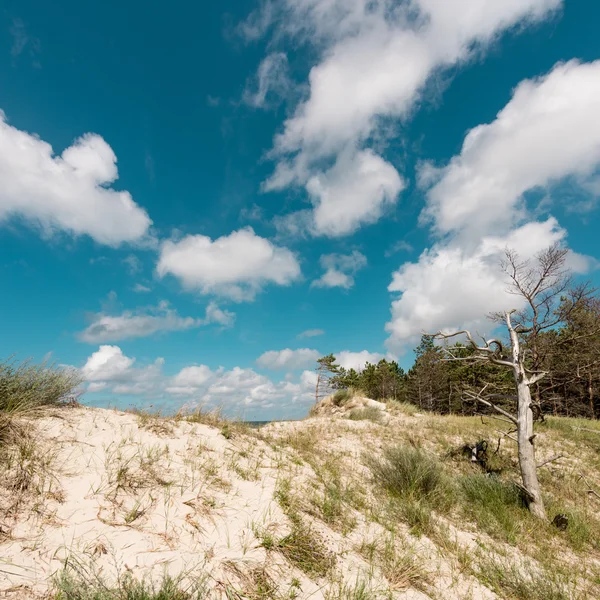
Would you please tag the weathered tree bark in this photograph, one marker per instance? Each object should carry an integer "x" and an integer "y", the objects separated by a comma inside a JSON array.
[
  {"x": 525, "y": 435},
  {"x": 493, "y": 351}
]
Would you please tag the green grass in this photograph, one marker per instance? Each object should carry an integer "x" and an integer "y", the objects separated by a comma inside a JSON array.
[
  {"x": 405, "y": 471},
  {"x": 303, "y": 546},
  {"x": 78, "y": 584},
  {"x": 366, "y": 414},
  {"x": 416, "y": 485},
  {"x": 342, "y": 397},
  {"x": 522, "y": 582},
  {"x": 305, "y": 549},
  {"x": 496, "y": 506},
  {"x": 26, "y": 387}
]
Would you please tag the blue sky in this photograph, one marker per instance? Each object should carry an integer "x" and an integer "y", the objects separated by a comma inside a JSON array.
[{"x": 196, "y": 202}]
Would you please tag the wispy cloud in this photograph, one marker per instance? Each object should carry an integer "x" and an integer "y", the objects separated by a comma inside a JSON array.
[
  {"x": 24, "y": 42},
  {"x": 147, "y": 321},
  {"x": 340, "y": 269},
  {"x": 311, "y": 333}
]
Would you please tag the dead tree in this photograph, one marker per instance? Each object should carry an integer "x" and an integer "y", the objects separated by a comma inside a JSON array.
[
  {"x": 540, "y": 285},
  {"x": 326, "y": 371},
  {"x": 492, "y": 350}
]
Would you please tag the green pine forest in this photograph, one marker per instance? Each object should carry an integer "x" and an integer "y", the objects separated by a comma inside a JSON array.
[{"x": 567, "y": 350}]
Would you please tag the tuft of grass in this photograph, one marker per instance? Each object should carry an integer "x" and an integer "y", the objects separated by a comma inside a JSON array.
[
  {"x": 361, "y": 590},
  {"x": 303, "y": 546},
  {"x": 305, "y": 549},
  {"x": 26, "y": 387},
  {"x": 406, "y": 408},
  {"x": 416, "y": 485},
  {"x": 80, "y": 584},
  {"x": 398, "y": 563},
  {"x": 214, "y": 418},
  {"x": 407, "y": 472},
  {"x": 498, "y": 507},
  {"x": 154, "y": 422},
  {"x": 522, "y": 582},
  {"x": 368, "y": 413},
  {"x": 342, "y": 397}
]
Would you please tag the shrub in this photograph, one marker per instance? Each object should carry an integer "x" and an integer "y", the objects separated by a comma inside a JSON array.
[
  {"x": 369, "y": 413},
  {"x": 497, "y": 506},
  {"x": 405, "y": 471},
  {"x": 342, "y": 397},
  {"x": 80, "y": 585},
  {"x": 27, "y": 386}
]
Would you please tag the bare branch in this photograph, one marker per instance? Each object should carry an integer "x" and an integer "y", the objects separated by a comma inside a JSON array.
[
  {"x": 545, "y": 462},
  {"x": 495, "y": 417},
  {"x": 590, "y": 489},
  {"x": 491, "y": 405},
  {"x": 510, "y": 437}
]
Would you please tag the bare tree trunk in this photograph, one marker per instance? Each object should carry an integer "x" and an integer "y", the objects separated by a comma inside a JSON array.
[
  {"x": 591, "y": 394},
  {"x": 317, "y": 388},
  {"x": 525, "y": 436},
  {"x": 526, "y": 451}
]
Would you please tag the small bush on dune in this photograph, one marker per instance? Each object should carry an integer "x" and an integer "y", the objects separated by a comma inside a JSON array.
[
  {"x": 497, "y": 506},
  {"x": 406, "y": 471},
  {"x": 73, "y": 585},
  {"x": 365, "y": 414},
  {"x": 27, "y": 386},
  {"x": 342, "y": 397}
]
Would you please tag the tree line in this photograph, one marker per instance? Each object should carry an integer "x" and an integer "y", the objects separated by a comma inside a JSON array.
[{"x": 560, "y": 333}]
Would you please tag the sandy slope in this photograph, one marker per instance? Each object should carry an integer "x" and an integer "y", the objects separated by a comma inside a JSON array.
[{"x": 147, "y": 496}]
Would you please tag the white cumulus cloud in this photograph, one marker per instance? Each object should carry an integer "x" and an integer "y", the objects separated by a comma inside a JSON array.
[
  {"x": 236, "y": 266},
  {"x": 69, "y": 192},
  {"x": 148, "y": 321},
  {"x": 375, "y": 58},
  {"x": 288, "y": 359},
  {"x": 357, "y": 360},
  {"x": 340, "y": 269},
  {"x": 548, "y": 131},
  {"x": 454, "y": 287}
]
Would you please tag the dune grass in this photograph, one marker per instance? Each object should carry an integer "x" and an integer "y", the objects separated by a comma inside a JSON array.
[
  {"x": 80, "y": 585},
  {"x": 25, "y": 386},
  {"x": 369, "y": 413}
]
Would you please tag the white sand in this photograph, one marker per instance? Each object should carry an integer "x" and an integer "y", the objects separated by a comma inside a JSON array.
[{"x": 177, "y": 498}]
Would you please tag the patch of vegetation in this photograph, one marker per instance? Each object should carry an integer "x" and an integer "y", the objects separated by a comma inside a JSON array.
[
  {"x": 305, "y": 549},
  {"x": 25, "y": 388},
  {"x": 416, "y": 485},
  {"x": 215, "y": 418},
  {"x": 407, "y": 472},
  {"x": 496, "y": 506},
  {"x": 342, "y": 397},
  {"x": 303, "y": 546},
  {"x": 154, "y": 422},
  {"x": 332, "y": 505},
  {"x": 407, "y": 408},
  {"x": 522, "y": 582},
  {"x": 398, "y": 563},
  {"x": 361, "y": 590},
  {"x": 80, "y": 584},
  {"x": 369, "y": 413}
]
